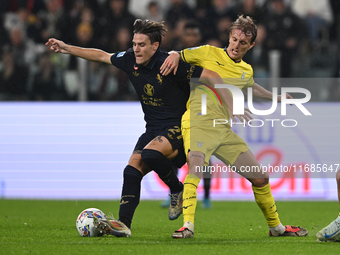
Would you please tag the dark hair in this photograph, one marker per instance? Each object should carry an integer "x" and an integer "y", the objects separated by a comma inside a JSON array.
[
  {"x": 155, "y": 30},
  {"x": 246, "y": 25}
]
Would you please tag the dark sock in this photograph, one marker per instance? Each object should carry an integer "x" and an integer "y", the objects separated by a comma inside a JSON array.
[
  {"x": 130, "y": 194},
  {"x": 207, "y": 182},
  {"x": 163, "y": 167},
  {"x": 175, "y": 169}
]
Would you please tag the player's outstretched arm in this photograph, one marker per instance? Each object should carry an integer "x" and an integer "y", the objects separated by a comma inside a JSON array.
[
  {"x": 260, "y": 92},
  {"x": 86, "y": 53},
  {"x": 225, "y": 94},
  {"x": 170, "y": 63},
  {"x": 287, "y": 96}
]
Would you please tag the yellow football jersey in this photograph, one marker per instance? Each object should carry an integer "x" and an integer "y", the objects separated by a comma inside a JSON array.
[
  {"x": 217, "y": 60},
  {"x": 203, "y": 97}
]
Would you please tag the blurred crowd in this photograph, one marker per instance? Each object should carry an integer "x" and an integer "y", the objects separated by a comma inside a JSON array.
[{"x": 305, "y": 33}]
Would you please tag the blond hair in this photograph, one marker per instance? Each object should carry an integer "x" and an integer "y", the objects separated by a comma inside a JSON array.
[{"x": 247, "y": 25}]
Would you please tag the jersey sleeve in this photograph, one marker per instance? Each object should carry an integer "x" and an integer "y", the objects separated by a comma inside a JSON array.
[
  {"x": 187, "y": 71},
  {"x": 120, "y": 60},
  {"x": 250, "y": 81},
  {"x": 195, "y": 55}
]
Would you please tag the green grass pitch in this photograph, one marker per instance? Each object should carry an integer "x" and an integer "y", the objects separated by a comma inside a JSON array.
[{"x": 48, "y": 227}]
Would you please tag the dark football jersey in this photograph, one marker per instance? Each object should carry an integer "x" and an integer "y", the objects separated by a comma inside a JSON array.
[{"x": 163, "y": 98}]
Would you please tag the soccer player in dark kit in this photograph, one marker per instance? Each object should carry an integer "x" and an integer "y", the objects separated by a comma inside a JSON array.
[{"x": 163, "y": 100}]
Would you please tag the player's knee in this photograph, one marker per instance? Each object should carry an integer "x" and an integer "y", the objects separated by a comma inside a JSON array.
[
  {"x": 259, "y": 182},
  {"x": 338, "y": 177},
  {"x": 151, "y": 157}
]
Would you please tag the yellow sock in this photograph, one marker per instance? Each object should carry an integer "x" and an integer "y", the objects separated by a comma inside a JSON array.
[
  {"x": 265, "y": 201},
  {"x": 190, "y": 197}
]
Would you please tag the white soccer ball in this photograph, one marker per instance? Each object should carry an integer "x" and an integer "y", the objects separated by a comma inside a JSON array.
[{"x": 85, "y": 222}]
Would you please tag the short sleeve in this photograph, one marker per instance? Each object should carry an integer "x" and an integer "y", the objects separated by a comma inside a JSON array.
[
  {"x": 250, "y": 82},
  {"x": 120, "y": 60},
  {"x": 195, "y": 55},
  {"x": 187, "y": 71}
]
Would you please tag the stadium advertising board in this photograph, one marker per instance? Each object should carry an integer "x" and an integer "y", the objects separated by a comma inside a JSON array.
[{"x": 79, "y": 150}]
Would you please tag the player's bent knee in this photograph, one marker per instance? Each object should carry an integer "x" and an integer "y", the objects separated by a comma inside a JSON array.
[
  {"x": 151, "y": 157},
  {"x": 259, "y": 182},
  {"x": 136, "y": 162},
  {"x": 338, "y": 176}
]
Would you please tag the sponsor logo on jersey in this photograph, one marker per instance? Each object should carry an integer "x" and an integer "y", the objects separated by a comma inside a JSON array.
[
  {"x": 149, "y": 89},
  {"x": 193, "y": 48},
  {"x": 190, "y": 72},
  {"x": 135, "y": 73}
]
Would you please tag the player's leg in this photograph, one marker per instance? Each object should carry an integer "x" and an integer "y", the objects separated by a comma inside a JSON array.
[
  {"x": 195, "y": 161},
  {"x": 166, "y": 203},
  {"x": 159, "y": 155},
  {"x": 263, "y": 195},
  {"x": 132, "y": 177},
  {"x": 331, "y": 233},
  {"x": 234, "y": 151},
  {"x": 206, "y": 204},
  {"x": 261, "y": 188},
  {"x": 198, "y": 145}
]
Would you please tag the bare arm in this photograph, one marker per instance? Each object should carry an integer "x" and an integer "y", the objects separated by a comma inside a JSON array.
[
  {"x": 86, "y": 53},
  {"x": 261, "y": 92}
]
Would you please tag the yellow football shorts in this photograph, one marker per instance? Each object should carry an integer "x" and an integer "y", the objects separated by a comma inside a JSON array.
[{"x": 219, "y": 141}]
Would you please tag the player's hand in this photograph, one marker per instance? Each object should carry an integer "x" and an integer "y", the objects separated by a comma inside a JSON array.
[
  {"x": 243, "y": 118},
  {"x": 287, "y": 97},
  {"x": 170, "y": 63},
  {"x": 56, "y": 45}
]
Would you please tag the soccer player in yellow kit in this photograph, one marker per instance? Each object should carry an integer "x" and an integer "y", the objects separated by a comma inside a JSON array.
[{"x": 203, "y": 139}]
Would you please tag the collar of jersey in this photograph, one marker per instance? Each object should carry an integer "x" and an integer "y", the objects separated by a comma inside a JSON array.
[
  {"x": 225, "y": 49},
  {"x": 151, "y": 62}
]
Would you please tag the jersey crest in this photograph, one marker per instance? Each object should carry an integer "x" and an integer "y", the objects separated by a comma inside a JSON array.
[
  {"x": 243, "y": 74},
  {"x": 159, "y": 78}
]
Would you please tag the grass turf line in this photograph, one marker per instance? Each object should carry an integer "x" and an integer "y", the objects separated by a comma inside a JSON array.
[{"x": 48, "y": 227}]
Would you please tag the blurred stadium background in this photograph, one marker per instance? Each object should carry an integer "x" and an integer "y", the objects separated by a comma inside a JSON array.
[{"x": 68, "y": 126}]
